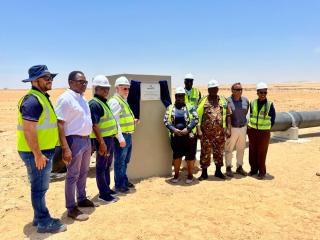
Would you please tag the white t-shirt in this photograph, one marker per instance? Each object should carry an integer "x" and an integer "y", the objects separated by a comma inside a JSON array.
[{"x": 73, "y": 109}]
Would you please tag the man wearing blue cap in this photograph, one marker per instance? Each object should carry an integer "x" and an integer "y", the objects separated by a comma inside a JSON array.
[{"x": 37, "y": 137}]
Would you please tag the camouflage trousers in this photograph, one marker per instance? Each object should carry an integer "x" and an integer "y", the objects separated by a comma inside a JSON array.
[{"x": 212, "y": 142}]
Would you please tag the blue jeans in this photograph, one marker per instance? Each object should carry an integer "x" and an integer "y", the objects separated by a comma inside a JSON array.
[
  {"x": 121, "y": 159},
  {"x": 103, "y": 166},
  {"x": 39, "y": 180}
]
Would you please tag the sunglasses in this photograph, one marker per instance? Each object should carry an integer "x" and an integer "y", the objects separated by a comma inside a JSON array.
[
  {"x": 237, "y": 89},
  {"x": 82, "y": 82},
  {"x": 126, "y": 88},
  {"x": 262, "y": 92},
  {"x": 47, "y": 78}
]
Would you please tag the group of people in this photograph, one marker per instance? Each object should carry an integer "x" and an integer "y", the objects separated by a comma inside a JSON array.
[
  {"x": 78, "y": 126},
  {"x": 106, "y": 125},
  {"x": 221, "y": 124}
]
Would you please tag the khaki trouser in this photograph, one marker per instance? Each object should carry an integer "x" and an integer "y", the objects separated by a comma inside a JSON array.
[{"x": 236, "y": 141}]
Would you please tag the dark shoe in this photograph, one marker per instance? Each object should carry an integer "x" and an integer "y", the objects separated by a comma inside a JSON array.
[
  {"x": 204, "y": 175},
  {"x": 123, "y": 190},
  {"x": 76, "y": 214},
  {"x": 112, "y": 193},
  {"x": 53, "y": 226},
  {"x": 130, "y": 185},
  {"x": 251, "y": 173},
  {"x": 107, "y": 199},
  {"x": 86, "y": 203},
  {"x": 229, "y": 172},
  {"x": 241, "y": 171},
  {"x": 219, "y": 174},
  {"x": 260, "y": 176}
]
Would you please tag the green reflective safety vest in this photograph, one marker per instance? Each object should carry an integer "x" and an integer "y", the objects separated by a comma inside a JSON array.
[
  {"x": 193, "y": 98},
  {"x": 222, "y": 102},
  {"x": 261, "y": 120},
  {"x": 126, "y": 117},
  {"x": 190, "y": 117},
  {"x": 107, "y": 123},
  {"x": 47, "y": 129}
]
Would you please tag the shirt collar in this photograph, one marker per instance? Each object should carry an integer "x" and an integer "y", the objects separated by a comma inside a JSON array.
[{"x": 74, "y": 94}]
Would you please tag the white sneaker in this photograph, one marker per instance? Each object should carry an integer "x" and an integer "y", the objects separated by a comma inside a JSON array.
[
  {"x": 174, "y": 180},
  {"x": 189, "y": 181}
]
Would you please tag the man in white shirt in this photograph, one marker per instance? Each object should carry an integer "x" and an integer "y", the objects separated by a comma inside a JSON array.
[
  {"x": 123, "y": 142},
  {"x": 75, "y": 125}
]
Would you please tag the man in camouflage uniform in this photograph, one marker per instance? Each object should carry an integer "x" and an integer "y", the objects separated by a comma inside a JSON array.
[{"x": 214, "y": 125}]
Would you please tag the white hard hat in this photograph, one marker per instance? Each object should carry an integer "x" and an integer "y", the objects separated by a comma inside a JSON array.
[
  {"x": 122, "y": 81},
  {"x": 180, "y": 90},
  {"x": 213, "y": 83},
  {"x": 261, "y": 85},
  {"x": 101, "y": 80},
  {"x": 188, "y": 76}
]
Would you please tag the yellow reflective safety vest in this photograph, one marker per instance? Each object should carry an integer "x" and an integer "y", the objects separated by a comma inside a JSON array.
[
  {"x": 47, "y": 129},
  {"x": 188, "y": 120},
  {"x": 126, "y": 117},
  {"x": 193, "y": 98},
  {"x": 107, "y": 123},
  {"x": 261, "y": 120},
  {"x": 223, "y": 104}
]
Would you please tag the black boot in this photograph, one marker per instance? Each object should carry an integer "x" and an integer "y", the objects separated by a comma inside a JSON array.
[
  {"x": 204, "y": 174},
  {"x": 218, "y": 173}
]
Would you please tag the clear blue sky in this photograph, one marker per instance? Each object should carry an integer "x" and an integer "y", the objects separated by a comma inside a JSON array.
[{"x": 235, "y": 40}]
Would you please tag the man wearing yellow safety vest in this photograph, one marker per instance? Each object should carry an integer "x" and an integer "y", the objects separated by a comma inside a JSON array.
[
  {"x": 123, "y": 142},
  {"x": 104, "y": 128},
  {"x": 37, "y": 137},
  {"x": 262, "y": 116},
  {"x": 192, "y": 97},
  {"x": 214, "y": 125},
  {"x": 181, "y": 120}
]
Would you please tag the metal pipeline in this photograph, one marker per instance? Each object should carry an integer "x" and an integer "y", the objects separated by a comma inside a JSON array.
[{"x": 286, "y": 120}]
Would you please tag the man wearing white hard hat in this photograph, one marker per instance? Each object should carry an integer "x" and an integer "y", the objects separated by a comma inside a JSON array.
[
  {"x": 123, "y": 142},
  {"x": 262, "y": 116},
  {"x": 104, "y": 128},
  {"x": 192, "y": 94},
  {"x": 181, "y": 120},
  {"x": 214, "y": 125}
]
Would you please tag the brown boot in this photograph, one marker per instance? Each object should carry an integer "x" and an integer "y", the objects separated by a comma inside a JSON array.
[
  {"x": 241, "y": 171},
  {"x": 229, "y": 172}
]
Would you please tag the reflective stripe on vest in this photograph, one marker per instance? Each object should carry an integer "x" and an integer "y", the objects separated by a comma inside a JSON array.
[
  {"x": 107, "y": 123},
  {"x": 193, "y": 98},
  {"x": 190, "y": 117},
  {"x": 222, "y": 103},
  {"x": 47, "y": 129},
  {"x": 261, "y": 120},
  {"x": 126, "y": 117}
]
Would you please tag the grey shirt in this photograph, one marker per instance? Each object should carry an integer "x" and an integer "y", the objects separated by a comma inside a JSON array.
[{"x": 239, "y": 111}]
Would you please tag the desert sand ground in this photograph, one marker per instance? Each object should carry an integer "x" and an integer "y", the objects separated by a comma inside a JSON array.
[{"x": 284, "y": 206}]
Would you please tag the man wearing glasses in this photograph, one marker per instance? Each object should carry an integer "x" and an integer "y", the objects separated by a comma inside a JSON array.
[
  {"x": 75, "y": 125},
  {"x": 239, "y": 106},
  {"x": 37, "y": 137},
  {"x": 123, "y": 142},
  {"x": 262, "y": 116}
]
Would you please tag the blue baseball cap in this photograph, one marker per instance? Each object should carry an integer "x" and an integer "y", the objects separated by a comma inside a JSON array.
[{"x": 38, "y": 71}]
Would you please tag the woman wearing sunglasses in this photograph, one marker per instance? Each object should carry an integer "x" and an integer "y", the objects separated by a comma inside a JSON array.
[{"x": 262, "y": 116}]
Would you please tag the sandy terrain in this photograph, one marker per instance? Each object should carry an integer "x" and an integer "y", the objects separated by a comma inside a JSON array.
[{"x": 284, "y": 206}]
